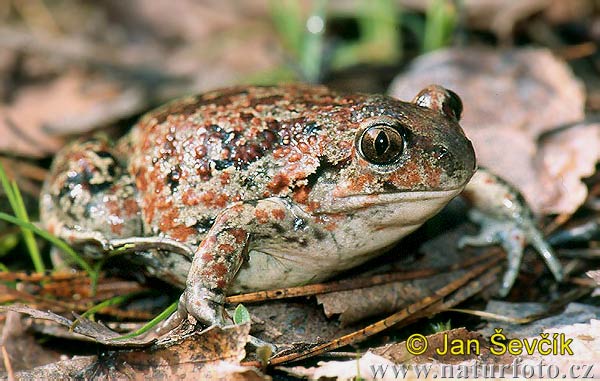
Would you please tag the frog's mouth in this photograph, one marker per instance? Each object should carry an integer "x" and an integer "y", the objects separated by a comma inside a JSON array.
[{"x": 409, "y": 199}]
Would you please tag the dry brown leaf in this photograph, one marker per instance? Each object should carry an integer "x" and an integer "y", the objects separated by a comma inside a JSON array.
[
  {"x": 185, "y": 354},
  {"x": 221, "y": 43},
  {"x": 510, "y": 99},
  {"x": 355, "y": 305},
  {"x": 564, "y": 159},
  {"x": 86, "y": 328},
  {"x": 188, "y": 20},
  {"x": 24, "y": 351},
  {"x": 25, "y": 123},
  {"x": 213, "y": 354}
]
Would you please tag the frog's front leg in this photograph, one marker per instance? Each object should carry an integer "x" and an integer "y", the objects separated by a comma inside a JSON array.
[
  {"x": 506, "y": 220},
  {"x": 220, "y": 255}
]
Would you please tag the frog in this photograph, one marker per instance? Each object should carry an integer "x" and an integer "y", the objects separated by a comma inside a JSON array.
[{"x": 252, "y": 188}]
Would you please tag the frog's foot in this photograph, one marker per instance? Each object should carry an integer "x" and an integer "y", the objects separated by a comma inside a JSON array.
[
  {"x": 204, "y": 305},
  {"x": 504, "y": 233},
  {"x": 506, "y": 220}
]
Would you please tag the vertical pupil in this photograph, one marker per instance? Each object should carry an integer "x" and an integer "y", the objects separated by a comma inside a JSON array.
[{"x": 381, "y": 143}]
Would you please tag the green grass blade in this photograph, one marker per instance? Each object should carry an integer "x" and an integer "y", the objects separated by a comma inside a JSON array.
[
  {"x": 439, "y": 25},
  {"x": 152, "y": 323},
  {"x": 106, "y": 303},
  {"x": 28, "y": 237},
  {"x": 311, "y": 55},
  {"x": 50, "y": 238},
  {"x": 287, "y": 18},
  {"x": 18, "y": 206},
  {"x": 7, "y": 188}
]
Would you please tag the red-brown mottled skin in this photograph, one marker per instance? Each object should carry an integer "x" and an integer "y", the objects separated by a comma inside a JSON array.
[
  {"x": 195, "y": 156},
  {"x": 267, "y": 186}
]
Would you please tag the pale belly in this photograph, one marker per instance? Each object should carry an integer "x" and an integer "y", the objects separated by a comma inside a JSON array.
[{"x": 271, "y": 269}]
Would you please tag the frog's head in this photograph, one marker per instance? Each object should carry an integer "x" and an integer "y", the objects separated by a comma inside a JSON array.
[{"x": 405, "y": 159}]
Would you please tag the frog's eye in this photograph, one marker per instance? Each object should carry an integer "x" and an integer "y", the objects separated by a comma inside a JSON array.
[{"x": 381, "y": 144}]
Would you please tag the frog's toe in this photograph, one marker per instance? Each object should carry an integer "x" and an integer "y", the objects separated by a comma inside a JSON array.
[
  {"x": 513, "y": 242},
  {"x": 513, "y": 236},
  {"x": 490, "y": 234},
  {"x": 206, "y": 306},
  {"x": 537, "y": 240},
  {"x": 484, "y": 238}
]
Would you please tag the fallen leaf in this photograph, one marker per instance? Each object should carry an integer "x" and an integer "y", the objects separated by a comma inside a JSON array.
[
  {"x": 85, "y": 327},
  {"x": 24, "y": 122},
  {"x": 511, "y": 99},
  {"x": 440, "y": 252},
  {"x": 584, "y": 343},
  {"x": 574, "y": 313},
  {"x": 24, "y": 351},
  {"x": 564, "y": 159},
  {"x": 210, "y": 355}
]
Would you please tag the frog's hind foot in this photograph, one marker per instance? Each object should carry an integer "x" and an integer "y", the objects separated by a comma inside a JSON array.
[
  {"x": 88, "y": 198},
  {"x": 506, "y": 220}
]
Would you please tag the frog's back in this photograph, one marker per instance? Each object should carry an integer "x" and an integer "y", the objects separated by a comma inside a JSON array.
[{"x": 196, "y": 156}]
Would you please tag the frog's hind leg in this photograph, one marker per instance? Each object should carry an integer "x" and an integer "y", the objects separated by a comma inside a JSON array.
[{"x": 88, "y": 198}]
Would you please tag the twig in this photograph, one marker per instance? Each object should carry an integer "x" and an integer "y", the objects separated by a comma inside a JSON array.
[
  {"x": 381, "y": 325},
  {"x": 352, "y": 284},
  {"x": 7, "y": 364}
]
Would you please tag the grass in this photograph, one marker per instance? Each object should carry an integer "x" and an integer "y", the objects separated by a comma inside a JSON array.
[
  {"x": 18, "y": 206},
  {"x": 301, "y": 37},
  {"x": 28, "y": 229},
  {"x": 379, "y": 41},
  {"x": 379, "y": 23},
  {"x": 440, "y": 23},
  {"x": 152, "y": 323}
]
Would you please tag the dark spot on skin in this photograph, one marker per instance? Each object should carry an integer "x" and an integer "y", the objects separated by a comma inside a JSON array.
[
  {"x": 439, "y": 152},
  {"x": 289, "y": 239},
  {"x": 222, "y": 164},
  {"x": 203, "y": 225},
  {"x": 319, "y": 235},
  {"x": 246, "y": 116},
  {"x": 173, "y": 179},
  {"x": 112, "y": 167},
  {"x": 278, "y": 228},
  {"x": 310, "y": 128},
  {"x": 84, "y": 178},
  {"x": 251, "y": 202},
  {"x": 261, "y": 237},
  {"x": 269, "y": 100},
  {"x": 389, "y": 187}
]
